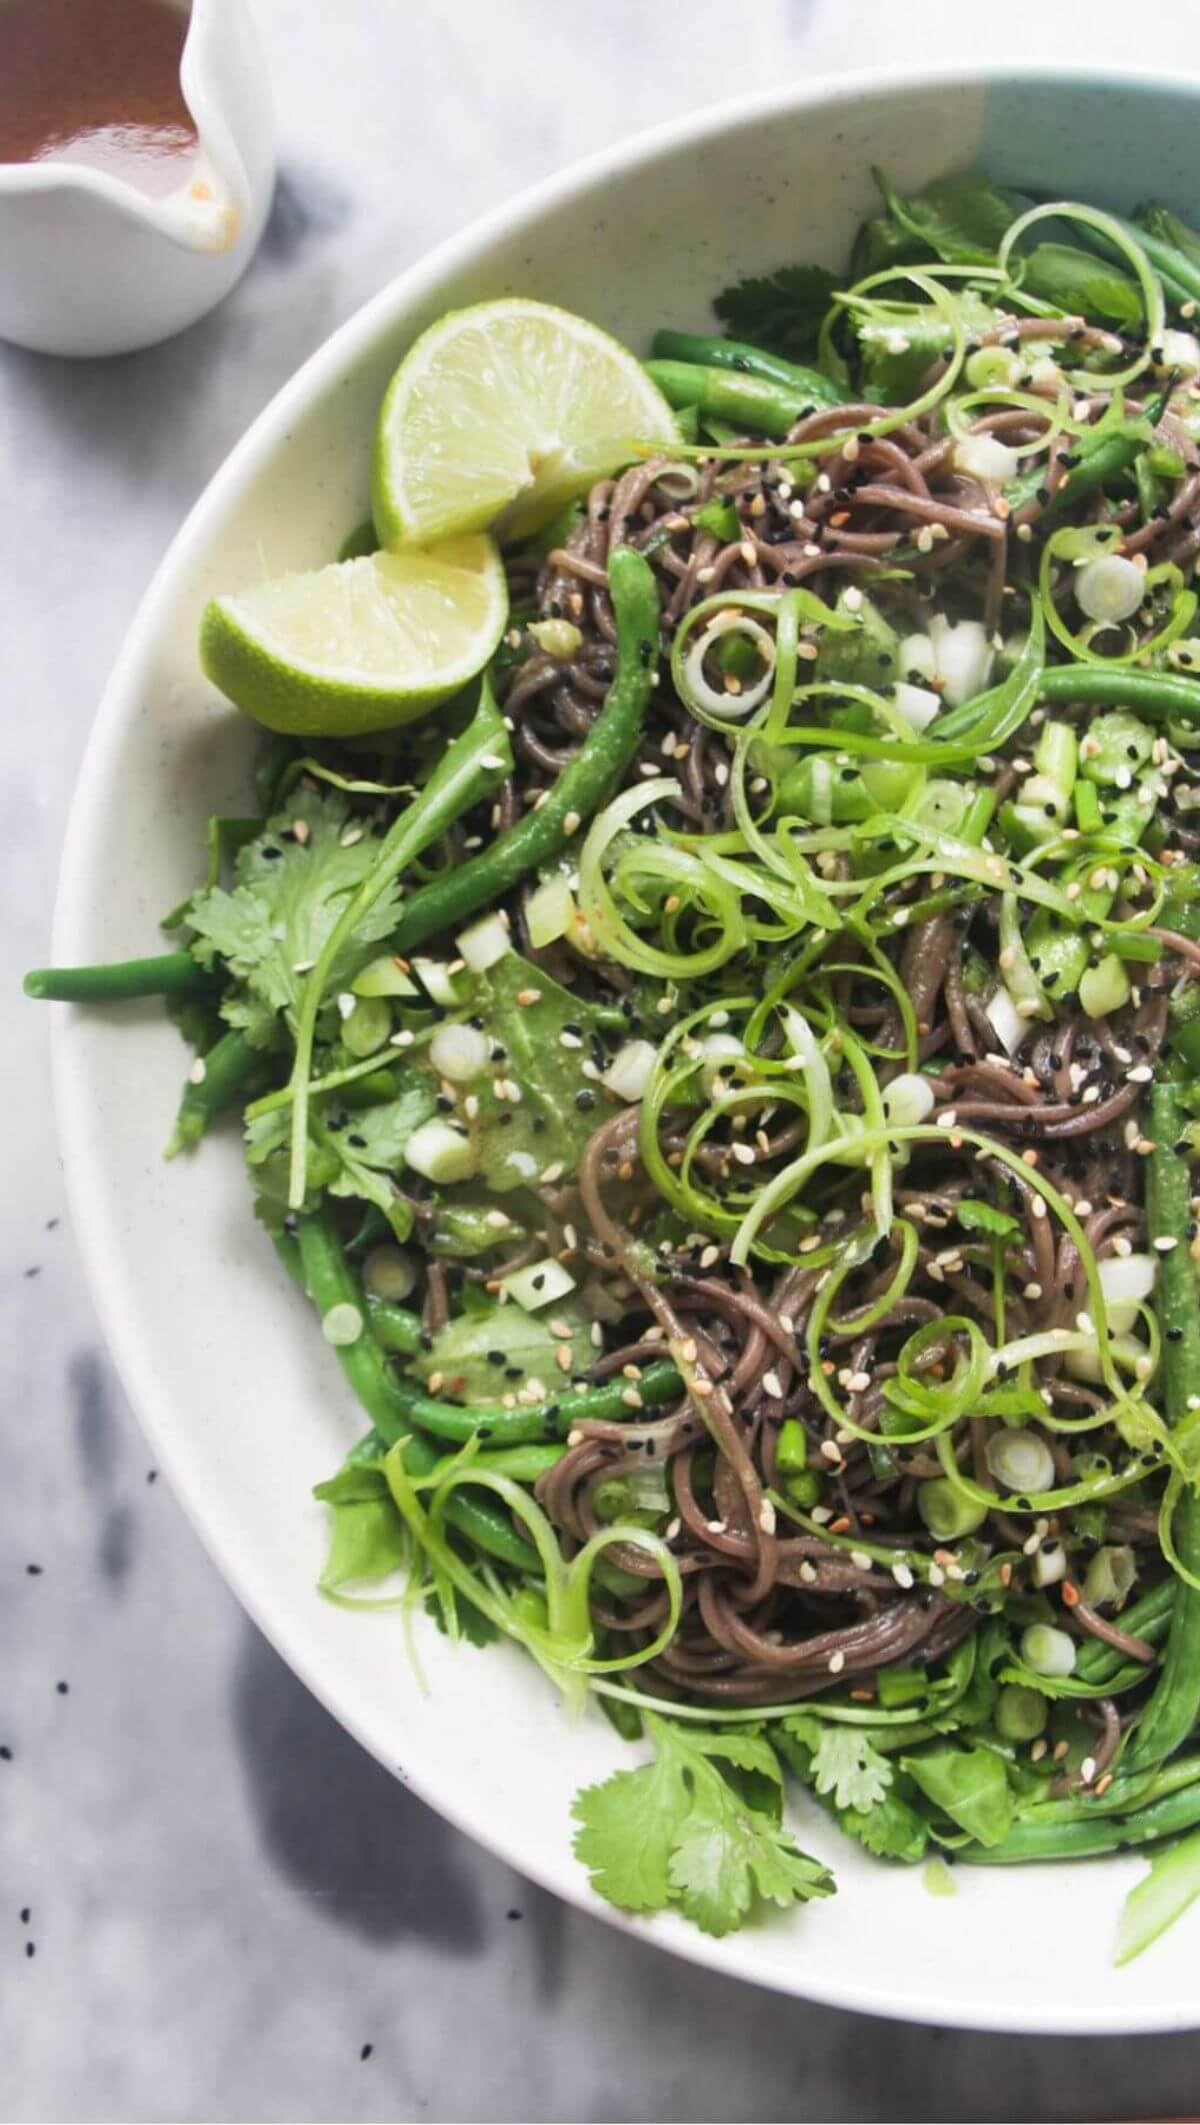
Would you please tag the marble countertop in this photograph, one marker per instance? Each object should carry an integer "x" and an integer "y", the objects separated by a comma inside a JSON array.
[{"x": 211, "y": 1901}]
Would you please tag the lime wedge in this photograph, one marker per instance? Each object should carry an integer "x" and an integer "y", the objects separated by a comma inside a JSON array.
[
  {"x": 500, "y": 415},
  {"x": 361, "y": 645}
]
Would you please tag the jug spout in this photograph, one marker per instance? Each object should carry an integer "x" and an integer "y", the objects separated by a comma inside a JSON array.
[
  {"x": 93, "y": 264},
  {"x": 206, "y": 213}
]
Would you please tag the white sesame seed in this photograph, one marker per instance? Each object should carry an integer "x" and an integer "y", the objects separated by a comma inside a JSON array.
[
  {"x": 837, "y": 1662},
  {"x": 198, "y": 1071},
  {"x": 902, "y": 1576},
  {"x": 1164, "y": 1245},
  {"x": 772, "y": 1385}
]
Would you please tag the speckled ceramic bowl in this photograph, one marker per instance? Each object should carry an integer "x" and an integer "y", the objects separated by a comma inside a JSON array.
[{"x": 243, "y": 1405}]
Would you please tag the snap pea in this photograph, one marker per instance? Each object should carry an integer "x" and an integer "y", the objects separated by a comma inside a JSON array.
[
  {"x": 166, "y": 974},
  {"x": 1174, "y": 1705},
  {"x": 582, "y": 787},
  {"x": 749, "y": 403},
  {"x": 230, "y": 1068},
  {"x": 316, "y": 1260},
  {"x": 707, "y": 352}
]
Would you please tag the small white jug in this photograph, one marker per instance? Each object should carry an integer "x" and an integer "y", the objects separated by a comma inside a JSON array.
[{"x": 91, "y": 265}]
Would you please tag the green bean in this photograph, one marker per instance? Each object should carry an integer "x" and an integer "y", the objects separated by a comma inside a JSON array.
[
  {"x": 1174, "y": 1705},
  {"x": 1148, "y": 1618},
  {"x": 1096, "y": 463},
  {"x": 458, "y": 1422},
  {"x": 229, "y": 1070},
  {"x": 580, "y": 790},
  {"x": 168, "y": 974},
  {"x": 707, "y": 352},
  {"x": 315, "y": 1258},
  {"x": 392, "y": 1326},
  {"x": 1150, "y": 693},
  {"x": 1084, "y": 1837},
  {"x": 749, "y": 403}
]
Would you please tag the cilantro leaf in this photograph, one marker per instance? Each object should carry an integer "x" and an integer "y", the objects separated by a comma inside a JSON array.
[
  {"x": 369, "y": 1147},
  {"x": 289, "y": 893},
  {"x": 473, "y": 1625},
  {"x": 676, "y": 1831},
  {"x": 891, "y": 1829},
  {"x": 963, "y": 218},
  {"x": 780, "y": 311},
  {"x": 476, "y": 1353},
  {"x": 845, "y": 1764}
]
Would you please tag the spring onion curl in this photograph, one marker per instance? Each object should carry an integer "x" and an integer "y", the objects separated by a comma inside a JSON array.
[{"x": 1115, "y": 234}]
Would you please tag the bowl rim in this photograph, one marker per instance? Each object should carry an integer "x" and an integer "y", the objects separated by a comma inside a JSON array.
[{"x": 86, "y": 1195}]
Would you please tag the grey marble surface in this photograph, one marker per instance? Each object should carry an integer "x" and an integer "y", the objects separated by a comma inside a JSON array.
[{"x": 227, "y": 1900}]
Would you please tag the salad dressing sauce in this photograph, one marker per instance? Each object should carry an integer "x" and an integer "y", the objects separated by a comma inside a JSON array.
[{"x": 96, "y": 82}]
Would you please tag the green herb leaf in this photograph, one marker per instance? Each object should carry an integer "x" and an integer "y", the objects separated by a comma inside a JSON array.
[
  {"x": 778, "y": 311},
  {"x": 963, "y": 218},
  {"x": 483, "y": 1356},
  {"x": 845, "y": 1765},
  {"x": 891, "y": 1829},
  {"x": 367, "y": 1540},
  {"x": 544, "y": 1045},
  {"x": 289, "y": 894},
  {"x": 1076, "y": 282},
  {"x": 473, "y": 1625},
  {"x": 982, "y": 1217},
  {"x": 969, "y": 1785},
  {"x": 675, "y": 1831},
  {"x": 369, "y": 1148}
]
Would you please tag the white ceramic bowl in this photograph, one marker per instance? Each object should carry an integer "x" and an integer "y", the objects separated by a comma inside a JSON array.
[{"x": 223, "y": 1363}]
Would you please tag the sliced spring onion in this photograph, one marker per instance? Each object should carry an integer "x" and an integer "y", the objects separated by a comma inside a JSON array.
[
  {"x": 541, "y": 1284},
  {"x": 917, "y": 704},
  {"x": 559, "y": 638},
  {"x": 389, "y": 1273},
  {"x": 549, "y": 911},
  {"x": 436, "y": 980},
  {"x": 1011, "y": 1029},
  {"x": 1020, "y": 1461},
  {"x": 1049, "y": 1564},
  {"x": 459, "y": 1053},
  {"x": 963, "y": 656},
  {"x": 342, "y": 1325},
  {"x": 384, "y": 977},
  {"x": 1048, "y": 1651},
  {"x": 484, "y": 942},
  {"x": 441, "y": 1152},
  {"x": 1127, "y": 1281},
  {"x": 985, "y": 457},
  {"x": 908, "y": 1098},
  {"x": 1110, "y": 1576},
  {"x": 1110, "y": 588},
  {"x": 631, "y": 1069},
  {"x": 1104, "y": 987},
  {"x": 1179, "y": 351}
]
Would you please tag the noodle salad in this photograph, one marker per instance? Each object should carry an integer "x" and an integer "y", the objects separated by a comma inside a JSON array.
[{"x": 727, "y": 1074}]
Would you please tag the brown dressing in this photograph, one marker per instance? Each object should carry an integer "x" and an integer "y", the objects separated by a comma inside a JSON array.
[{"x": 96, "y": 82}]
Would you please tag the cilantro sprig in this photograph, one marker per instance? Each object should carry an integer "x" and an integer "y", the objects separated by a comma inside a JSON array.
[{"x": 677, "y": 1831}]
